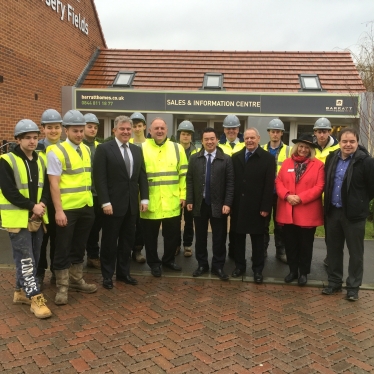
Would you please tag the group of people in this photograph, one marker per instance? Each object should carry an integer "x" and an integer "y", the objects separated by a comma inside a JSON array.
[{"x": 66, "y": 192}]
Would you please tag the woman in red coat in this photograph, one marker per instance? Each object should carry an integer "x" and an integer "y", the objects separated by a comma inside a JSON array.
[{"x": 299, "y": 186}]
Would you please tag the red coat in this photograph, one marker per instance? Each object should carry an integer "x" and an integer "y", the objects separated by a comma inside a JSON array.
[{"x": 309, "y": 188}]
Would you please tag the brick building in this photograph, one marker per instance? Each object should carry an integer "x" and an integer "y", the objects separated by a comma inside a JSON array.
[
  {"x": 53, "y": 54},
  {"x": 44, "y": 45}
]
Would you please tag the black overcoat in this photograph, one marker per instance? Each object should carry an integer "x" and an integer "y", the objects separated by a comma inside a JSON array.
[{"x": 253, "y": 190}]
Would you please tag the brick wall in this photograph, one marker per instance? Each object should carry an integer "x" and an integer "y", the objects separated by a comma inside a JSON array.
[{"x": 40, "y": 53}]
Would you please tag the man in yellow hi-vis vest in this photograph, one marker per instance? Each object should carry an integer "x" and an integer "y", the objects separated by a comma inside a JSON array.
[
  {"x": 92, "y": 247},
  {"x": 69, "y": 172},
  {"x": 280, "y": 151},
  {"x": 166, "y": 167},
  {"x": 23, "y": 199},
  {"x": 232, "y": 141},
  {"x": 51, "y": 127},
  {"x": 326, "y": 143},
  {"x": 139, "y": 127}
]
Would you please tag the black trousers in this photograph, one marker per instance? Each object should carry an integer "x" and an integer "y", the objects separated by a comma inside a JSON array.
[
  {"x": 258, "y": 260},
  {"x": 170, "y": 232},
  {"x": 231, "y": 245},
  {"x": 139, "y": 241},
  {"x": 278, "y": 230},
  {"x": 299, "y": 248},
  {"x": 340, "y": 230},
  {"x": 188, "y": 231},
  {"x": 218, "y": 226},
  {"x": 50, "y": 236},
  {"x": 71, "y": 240},
  {"x": 117, "y": 240},
  {"x": 92, "y": 246}
]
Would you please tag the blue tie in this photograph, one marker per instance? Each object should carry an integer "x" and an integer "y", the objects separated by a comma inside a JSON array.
[
  {"x": 247, "y": 156},
  {"x": 207, "y": 180}
]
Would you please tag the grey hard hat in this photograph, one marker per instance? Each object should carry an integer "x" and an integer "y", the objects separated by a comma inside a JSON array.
[
  {"x": 138, "y": 116},
  {"x": 275, "y": 124},
  {"x": 50, "y": 116},
  {"x": 24, "y": 126},
  {"x": 73, "y": 118},
  {"x": 231, "y": 121},
  {"x": 186, "y": 126},
  {"x": 91, "y": 118},
  {"x": 322, "y": 124}
]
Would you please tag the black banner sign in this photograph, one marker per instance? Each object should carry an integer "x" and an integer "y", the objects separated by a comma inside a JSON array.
[{"x": 301, "y": 104}]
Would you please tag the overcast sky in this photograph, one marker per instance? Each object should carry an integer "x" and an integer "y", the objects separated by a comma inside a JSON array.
[{"x": 266, "y": 25}]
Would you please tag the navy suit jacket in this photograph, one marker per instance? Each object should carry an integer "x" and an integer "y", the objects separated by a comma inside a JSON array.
[{"x": 112, "y": 182}]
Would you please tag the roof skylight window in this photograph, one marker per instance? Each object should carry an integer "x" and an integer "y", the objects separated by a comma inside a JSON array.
[
  {"x": 213, "y": 81},
  {"x": 124, "y": 79},
  {"x": 310, "y": 82}
]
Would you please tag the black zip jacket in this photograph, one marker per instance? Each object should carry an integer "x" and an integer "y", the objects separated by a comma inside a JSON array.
[
  {"x": 8, "y": 183},
  {"x": 358, "y": 184}
]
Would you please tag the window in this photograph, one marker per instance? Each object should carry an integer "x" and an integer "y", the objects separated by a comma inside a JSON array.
[
  {"x": 310, "y": 82},
  {"x": 304, "y": 129},
  {"x": 124, "y": 79},
  {"x": 213, "y": 81},
  {"x": 286, "y": 133}
]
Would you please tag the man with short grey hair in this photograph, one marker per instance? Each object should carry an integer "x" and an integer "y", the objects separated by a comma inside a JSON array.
[
  {"x": 166, "y": 166},
  {"x": 119, "y": 176},
  {"x": 254, "y": 170}
]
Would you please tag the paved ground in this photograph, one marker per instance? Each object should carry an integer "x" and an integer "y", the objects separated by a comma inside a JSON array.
[
  {"x": 274, "y": 271},
  {"x": 178, "y": 324},
  {"x": 175, "y": 325}
]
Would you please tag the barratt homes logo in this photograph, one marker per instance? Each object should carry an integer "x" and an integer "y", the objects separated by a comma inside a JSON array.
[{"x": 339, "y": 107}]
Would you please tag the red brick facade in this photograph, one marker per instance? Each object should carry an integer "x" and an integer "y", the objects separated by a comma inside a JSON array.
[{"x": 40, "y": 53}]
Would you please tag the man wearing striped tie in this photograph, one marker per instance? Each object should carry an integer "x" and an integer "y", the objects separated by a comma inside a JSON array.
[{"x": 119, "y": 176}]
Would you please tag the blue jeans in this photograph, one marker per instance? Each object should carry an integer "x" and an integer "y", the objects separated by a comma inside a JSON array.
[{"x": 26, "y": 252}]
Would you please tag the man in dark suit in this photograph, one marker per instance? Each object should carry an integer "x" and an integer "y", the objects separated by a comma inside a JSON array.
[
  {"x": 210, "y": 190},
  {"x": 254, "y": 170},
  {"x": 119, "y": 175}
]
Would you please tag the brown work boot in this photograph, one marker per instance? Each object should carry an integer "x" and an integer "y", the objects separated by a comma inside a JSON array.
[
  {"x": 187, "y": 251},
  {"x": 20, "y": 297},
  {"x": 93, "y": 263},
  {"x": 62, "y": 283},
  {"x": 38, "y": 306},
  {"x": 77, "y": 282}
]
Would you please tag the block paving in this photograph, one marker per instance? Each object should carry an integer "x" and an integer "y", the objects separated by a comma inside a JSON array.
[{"x": 174, "y": 325}]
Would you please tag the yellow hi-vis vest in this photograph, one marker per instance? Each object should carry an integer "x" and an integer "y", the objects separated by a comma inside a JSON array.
[
  {"x": 325, "y": 152},
  {"x": 75, "y": 180},
  {"x": 226, "y": 147},
  {"x": 284, "y": 153},
  {"x": 166, "y": 168},
  {"x": 12, "y": 216}
]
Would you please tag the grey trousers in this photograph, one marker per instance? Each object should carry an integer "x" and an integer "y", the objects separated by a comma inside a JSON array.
[{"x": 339, "y": 230}]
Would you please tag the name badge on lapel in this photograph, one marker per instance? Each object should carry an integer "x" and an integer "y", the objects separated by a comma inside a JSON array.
[{"x": 291, "y": 170}]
